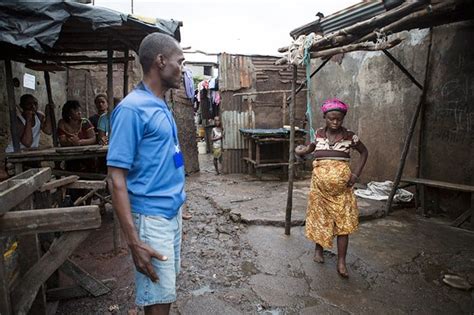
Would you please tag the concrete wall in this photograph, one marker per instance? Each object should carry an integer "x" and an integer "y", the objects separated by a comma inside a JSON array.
[
  {"x": 448, "y": 124},
  {"x": 58, "y": 87},
  {"x": 86, "y": 82},
  {"x": 382, "y": 100}
]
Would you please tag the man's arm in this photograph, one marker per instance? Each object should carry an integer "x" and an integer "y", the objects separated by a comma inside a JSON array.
[
  {"x": 26, "y": 131},
  {"x": 141, "y": 252}
]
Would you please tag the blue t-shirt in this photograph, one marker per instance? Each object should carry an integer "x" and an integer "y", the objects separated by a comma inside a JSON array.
[
  {"x": 143, "y": 141},
  {"x": 103, "y": 124}
]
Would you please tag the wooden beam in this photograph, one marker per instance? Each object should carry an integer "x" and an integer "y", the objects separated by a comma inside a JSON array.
[
  {"x": 50, "y": 220},
  {"x": 125, "y": 74},
  {"x": 5, "y": 304},
  {"x": 12, "y": 106},
  {"x": 14, "y": 190},
  {"x": 402, "y": 23},
  {"x": 80, "y": 200},
  {"x": 74, "y": 292},
  {"x": 88, "y": 184},
  {"x": 462, "y": 218},
  {"x": 24, "y": 293},
  {"x": 411, "y": 130},
  {"x": 439, "y": 184},
  {"x": 402, "y": 68},
  {"x": 291, "y": 151},
  {"x": 51, "y": 114},
  {"x": 367, "y": 46},
  {"x": 29, "y": 252},
  {"x": 83, "y": 175},
  {"x": 59, "y": 182},
  {"x": 84, "y": 279},
  {"x": 376, "y": 21}
]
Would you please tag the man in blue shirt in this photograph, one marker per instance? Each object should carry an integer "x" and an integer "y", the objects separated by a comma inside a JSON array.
[{"x": 146, "y": 174}]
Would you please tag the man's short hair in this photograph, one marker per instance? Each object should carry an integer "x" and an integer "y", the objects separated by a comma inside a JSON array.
[
  {"x": 24, "y": 98},
  {"x": 153, "y": 45}
]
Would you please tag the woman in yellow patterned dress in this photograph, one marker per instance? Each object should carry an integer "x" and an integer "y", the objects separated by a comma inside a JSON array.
[{"x": 332, "y": 208}]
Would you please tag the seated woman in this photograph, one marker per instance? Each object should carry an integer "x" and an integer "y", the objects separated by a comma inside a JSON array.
[
  {"x": 103, "y": 125},
  {"x": 73, "y": 130}
]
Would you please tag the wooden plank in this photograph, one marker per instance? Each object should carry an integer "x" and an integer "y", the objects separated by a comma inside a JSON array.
[
  {"x": 73, "y": 292},
  {"x": 59, "y": 182},
  {"x": 5, "y": 304},
  {"x": 82, "y": 175},
  {"x": 291, "y": 161},
  {"x": 18, "y": 191},
  {"x": 84, "y": 279},
  {"x": 88, "y": 184},
  {"x": 14, "y": 136},
  {"x": 29, "y": 252},
  {"x": 52, "y": 308},
  {"x": 85, "y": 197},
  {"x": 438, "y": 184},
  {"x": 462, "y": 218},
  {"x": 50, "y": 220},
  {"x": 24, "y": 293}
]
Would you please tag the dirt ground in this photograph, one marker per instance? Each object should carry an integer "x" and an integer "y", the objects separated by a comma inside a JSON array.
[{"x": 228, "y": 267}]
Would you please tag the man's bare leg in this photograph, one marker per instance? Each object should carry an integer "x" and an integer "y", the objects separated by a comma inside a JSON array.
[{"x": 158, "y": 309}]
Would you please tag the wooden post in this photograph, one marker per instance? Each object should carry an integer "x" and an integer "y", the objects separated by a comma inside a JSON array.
[
  {"x": 283, "y": 109},
  {"x": 86, "y": 94},
  {"x": 47, "y": 80},
  {"x": 25, "y": 292},
  {"x": 11, "y": 105},
  {"x": 110, "y": 99},
  {"x": 291, "y": 161},
  {"x": 125, "y": 73},
  {"x": 29, "y": 252},
  {"x": 406, "y": 146},
  {"x": 5, "y": 304},
  {"x": 110, "y": 80}
]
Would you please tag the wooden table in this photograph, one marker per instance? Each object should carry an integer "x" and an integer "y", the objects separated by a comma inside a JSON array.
[
  {"x": 422, "y": 182},
  {"x": 269, "y": 148},
  {"x": 55, "y": 154}
]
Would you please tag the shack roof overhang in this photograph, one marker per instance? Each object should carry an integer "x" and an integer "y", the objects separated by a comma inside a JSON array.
[
  {"x": 356, "y": 27},
  {"x": 46, "y": 30}
]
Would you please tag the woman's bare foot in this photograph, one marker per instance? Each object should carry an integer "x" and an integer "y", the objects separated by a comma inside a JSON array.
[
  {"x": 342, "y": 269},
  {"x": 318, "y": 254},
  {"x": 319, "y": 259}
]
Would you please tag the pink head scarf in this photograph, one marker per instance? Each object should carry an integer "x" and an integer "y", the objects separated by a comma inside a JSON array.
[{"x": 334, "y": 104}]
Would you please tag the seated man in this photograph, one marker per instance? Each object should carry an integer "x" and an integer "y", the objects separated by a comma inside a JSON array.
[{"x": 30, "y": 123}]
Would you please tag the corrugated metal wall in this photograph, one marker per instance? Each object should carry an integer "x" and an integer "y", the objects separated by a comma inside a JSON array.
[
  {"x": 232, "y": 122},
  {"x": 242, "y": 74},
  {"x": 235, "y": 72}
]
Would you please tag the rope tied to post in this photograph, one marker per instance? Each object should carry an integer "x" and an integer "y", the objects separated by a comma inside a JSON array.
[{"x": 307, "y": 62}]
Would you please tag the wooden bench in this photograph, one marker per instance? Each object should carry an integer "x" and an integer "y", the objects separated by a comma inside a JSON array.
[{"x": 421, "y": 183}]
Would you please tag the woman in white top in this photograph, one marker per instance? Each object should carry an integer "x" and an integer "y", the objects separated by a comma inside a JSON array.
[{"x": 30, "y": 122}]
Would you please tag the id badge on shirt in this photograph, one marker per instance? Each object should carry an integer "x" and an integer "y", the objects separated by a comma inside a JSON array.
[{"x": 178, "y": 157}]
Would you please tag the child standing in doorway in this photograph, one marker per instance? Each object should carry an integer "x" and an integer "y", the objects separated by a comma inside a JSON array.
[{"x": 217, "y": 133}]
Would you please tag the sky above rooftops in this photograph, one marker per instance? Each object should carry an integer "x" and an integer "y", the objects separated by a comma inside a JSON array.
[{"x": 238, "y": 27}]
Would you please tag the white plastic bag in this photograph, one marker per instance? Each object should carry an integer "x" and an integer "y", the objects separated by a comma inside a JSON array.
[{"x": 381, "y": 191}]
